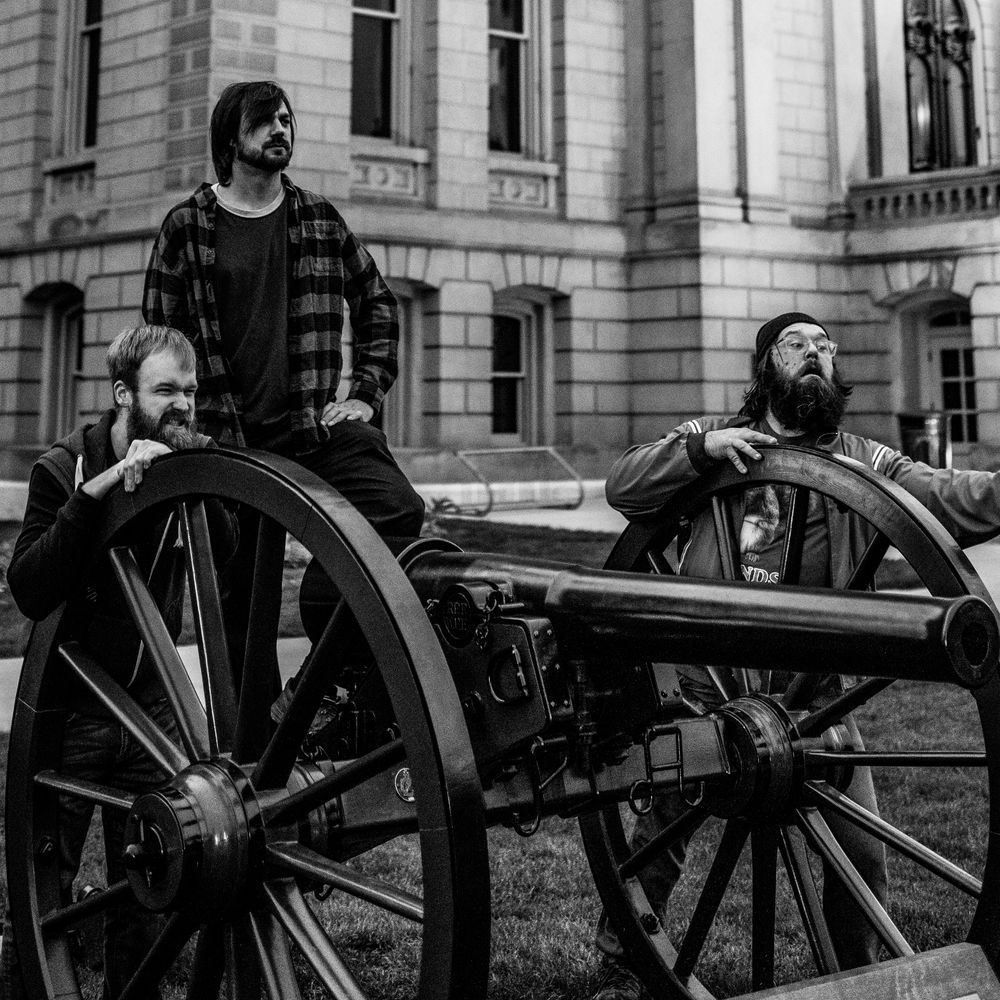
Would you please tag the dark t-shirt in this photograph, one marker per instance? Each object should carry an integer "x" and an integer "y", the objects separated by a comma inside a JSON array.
[
  {"x": 251, "y": 289},
  {"x": 762, "y": 534}
]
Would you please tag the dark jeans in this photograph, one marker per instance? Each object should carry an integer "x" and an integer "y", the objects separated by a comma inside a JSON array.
[
  {"x": 356, "y": 462},
  {"x": 854, "y": 939},
  {"x": 102, "y": 751}
]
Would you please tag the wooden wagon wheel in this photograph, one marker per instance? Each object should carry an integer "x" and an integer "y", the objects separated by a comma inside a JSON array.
[
  {"x": 233, "y": 844},
  {"x": 669, "y": 964}
]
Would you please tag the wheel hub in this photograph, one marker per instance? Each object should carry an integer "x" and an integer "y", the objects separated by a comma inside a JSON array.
[
  {"x": 765, "y": 759},
  {"x": 189, "y": 845}
]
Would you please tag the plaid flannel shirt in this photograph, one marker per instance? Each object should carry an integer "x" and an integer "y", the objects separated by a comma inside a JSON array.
[{"x": 326, "y": 266}]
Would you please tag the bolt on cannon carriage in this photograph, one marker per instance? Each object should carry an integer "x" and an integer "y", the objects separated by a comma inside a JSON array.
[{"x": 463, "y": 690}]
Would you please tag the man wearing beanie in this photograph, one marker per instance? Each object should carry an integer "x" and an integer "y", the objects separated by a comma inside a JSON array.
[{"x": 796, "y": 397}]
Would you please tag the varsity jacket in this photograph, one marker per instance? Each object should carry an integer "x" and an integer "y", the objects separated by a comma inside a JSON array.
[
  {"x": 648, "y": 475},
  {"x": 326, "y": 265},
  {"x": 51, "y": 562}
]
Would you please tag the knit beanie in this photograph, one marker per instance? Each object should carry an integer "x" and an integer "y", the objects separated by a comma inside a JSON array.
[{"x": 769, "y": 332}]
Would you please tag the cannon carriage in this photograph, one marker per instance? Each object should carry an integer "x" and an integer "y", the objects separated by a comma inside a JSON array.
[{"x": 472, "y": 690}]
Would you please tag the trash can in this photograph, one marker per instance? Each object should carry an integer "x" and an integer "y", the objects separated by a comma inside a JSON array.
[{"x": 926, "y": 437}]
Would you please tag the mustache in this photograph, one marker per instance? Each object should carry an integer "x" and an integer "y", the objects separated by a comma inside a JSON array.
[{"x": 277, "y": 144}]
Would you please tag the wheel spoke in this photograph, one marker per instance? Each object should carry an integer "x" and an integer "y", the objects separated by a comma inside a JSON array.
[
  {"x": 800, "y": 877},
  {"x": 801, "y": 690},
  {"x": 900, "y": 758},
  {"x": 276, "y": 762},
  {"x": 828, "y": 797},
  {"x": 658, "y": 564},
  {"x": 260, "y": 665},
  {"x": 825, "y": 844},
  {"x": 123, "y": 708},
  {"x": 210, "y": 631},
  {"x": 170, "y": 669},
  {"x": 683, "y": 826},
  {"x": 842, "y": 705},
  {"x": 209, "y": 964},
  {"x": 88, "y": 791},
  {"x": 306, "y": 862},
  {"x": 294, "y": 914},
  {"x": 795, "y": 533},
  {"x": 723, "y": 682},
  {"x": 244, "y": 973},
  {"x": 764, "y": 852},
  {"x": 728, "y": 540},
  {"x": 349, "y": 776},
  {"x": 716, "y": 882},
  {"x": 864, "y": 573},
  {"x": 274, "y": 957},
  {"x": 160, "y": 957},
  {"x": 91, "y": 905}
]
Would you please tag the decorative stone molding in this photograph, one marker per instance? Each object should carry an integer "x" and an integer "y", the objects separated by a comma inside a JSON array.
[
  {"x": 396, "y": 172},
  {"x": 68, "y": 184},
  {"x": 938, "y": 196},
  {"x": 529, "y": 184}
]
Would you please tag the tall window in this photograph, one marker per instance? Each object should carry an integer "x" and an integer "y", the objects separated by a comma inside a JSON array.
[
  {"x": 376, "y": 84},
  {"x": 939, "y": 85},
  {"x": 952, "y": 356},
  {"x": 508, "y": 66},
  {"x": 81, "y": 70},
  {"x": 509, "y": 378},
  {"x": 62, "y": 366}
]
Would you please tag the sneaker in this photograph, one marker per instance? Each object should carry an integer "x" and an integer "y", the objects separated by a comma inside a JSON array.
[{"x": 618, "y": 982}]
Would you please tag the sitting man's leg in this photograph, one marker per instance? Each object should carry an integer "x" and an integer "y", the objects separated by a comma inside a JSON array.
[{"x": 356, "y": 462}]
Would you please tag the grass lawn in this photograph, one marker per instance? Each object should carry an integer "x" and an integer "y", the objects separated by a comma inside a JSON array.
[{"x": 543, "y": 898}]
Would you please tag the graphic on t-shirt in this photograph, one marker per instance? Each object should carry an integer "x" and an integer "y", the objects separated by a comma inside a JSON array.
[
  {"x": 762, "y": 538},
  {"x": 760, "y": 524}
]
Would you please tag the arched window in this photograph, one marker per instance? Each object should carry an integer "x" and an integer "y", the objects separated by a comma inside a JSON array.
[{"x": 942, "y": 124}]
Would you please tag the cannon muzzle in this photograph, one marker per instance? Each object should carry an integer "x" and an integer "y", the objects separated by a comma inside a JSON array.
[{"x": 687, "y": 620}]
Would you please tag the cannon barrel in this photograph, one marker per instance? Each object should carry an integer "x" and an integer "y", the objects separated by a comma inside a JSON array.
[{"x": 688, "y": 620}]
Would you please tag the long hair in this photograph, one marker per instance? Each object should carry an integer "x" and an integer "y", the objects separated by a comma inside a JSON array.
[
  {"x": 242, "y": 105},
  {"x": 756, "y": 398}
]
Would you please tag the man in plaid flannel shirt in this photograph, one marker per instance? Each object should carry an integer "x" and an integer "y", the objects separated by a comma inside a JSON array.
[{"x": 255, "y": 271}]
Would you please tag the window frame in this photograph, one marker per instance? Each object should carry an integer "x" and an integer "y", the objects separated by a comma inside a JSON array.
[
  {"x": 77, "y": 117},
  {"x": 401, "y": 72},
  {"x": 62, "y": 369},
  {"x": 534, "y": 99},
  {"x": 941, "y": 48}
]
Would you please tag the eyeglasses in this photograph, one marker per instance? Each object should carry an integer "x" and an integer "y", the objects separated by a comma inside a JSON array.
[{"x": 796, "y": 347}]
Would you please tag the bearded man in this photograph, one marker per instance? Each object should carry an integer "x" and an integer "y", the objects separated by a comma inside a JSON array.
[
  {"x": 153, "y": 384},
  {"x": 797, "y": 397}
]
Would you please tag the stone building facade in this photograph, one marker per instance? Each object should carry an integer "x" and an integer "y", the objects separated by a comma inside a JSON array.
[{"x": 586, "y": 207}]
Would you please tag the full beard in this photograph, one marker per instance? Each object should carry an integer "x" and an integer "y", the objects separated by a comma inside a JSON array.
[
  {"x": 260, "y": 159},
  {"x": 805, "y": 404},
  {"x": 175, "y": 431}
]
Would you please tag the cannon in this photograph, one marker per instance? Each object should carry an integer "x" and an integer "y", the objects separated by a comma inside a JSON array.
[{"x": 466, "y": 690}]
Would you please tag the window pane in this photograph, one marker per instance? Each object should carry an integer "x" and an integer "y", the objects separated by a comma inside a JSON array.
[
  {"x": 506, "y": 344},
  {"x": 93, "y": 13},
  {"x": 506, "y": 412},
  {"x": 92, "y": 68},
  {"x": 972, "y": 427},
  {"x": 507, "y": 15},
  {"x": 952, "y": 395},
  {"x": 949, "y": 363},
  {"x": 505, "y": 95},
  {"x": 970, "y": 395},
  {"x": 957, "y": 428},
  {"x": 968, "y": 359},
  {"x": 956, "y": 96},
  {"x": 387, "y": 6},
  {"x": 918, "y": 92},
  {"x": 371, "y": 77}
]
